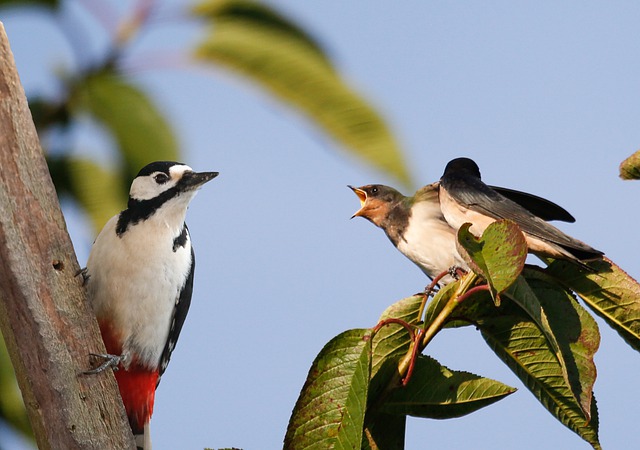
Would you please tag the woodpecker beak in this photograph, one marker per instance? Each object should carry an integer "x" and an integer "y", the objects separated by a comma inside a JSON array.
[
  {"x": 362, "y": 195},
  {"x": 193, "y": 180}
]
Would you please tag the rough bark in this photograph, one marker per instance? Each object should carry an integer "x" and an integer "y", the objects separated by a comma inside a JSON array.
[{"x": 44, "y": 317}]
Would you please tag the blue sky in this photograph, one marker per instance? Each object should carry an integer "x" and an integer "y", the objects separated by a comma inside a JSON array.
[{"x": 544, "y": 96}]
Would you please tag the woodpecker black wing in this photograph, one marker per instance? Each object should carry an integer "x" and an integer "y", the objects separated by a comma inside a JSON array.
[
  {"x": 541, "y": 207},
  {"x": 183, "y": 301}
]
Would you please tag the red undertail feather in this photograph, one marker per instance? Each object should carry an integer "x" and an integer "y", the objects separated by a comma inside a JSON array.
[
  {"x": 137, "y": 385},
  {"x": 137, "y": 388}
]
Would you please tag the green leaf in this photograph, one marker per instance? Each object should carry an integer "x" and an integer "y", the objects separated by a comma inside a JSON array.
[
  {"x": 330, "y": 410},
  {"x": 522, "y": 294},
  {"x": 46, "y": 113},
  {"x": 384, "y": 431},
  {"x": 392, "y": 341},
  {"x": 389, "y": 344},
  {"x": 260, "y": 15},
  {"x": 523, "y": 346},
  {"x": 576, "y": 331},
  {"x": 610, "y": 292},
  {"x": 96, "y": 189},
  {"x": 558, "y": 316},
  {"x": 139, "y": 128},
  {"x": 274, "y": 53},
  {"x": 499, "y": 254},
  {"x": 630, "y": 167},
  {"x": 438, "y": 303},
  {"x": 435, "y": 392}
]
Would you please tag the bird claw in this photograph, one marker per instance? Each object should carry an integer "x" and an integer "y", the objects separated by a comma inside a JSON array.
[
  {"x": 456, "y": 272},
  {"x": 109, "y": 361},
  {"x": 429, "y": 290}
]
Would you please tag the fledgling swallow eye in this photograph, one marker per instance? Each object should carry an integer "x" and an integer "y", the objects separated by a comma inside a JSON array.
[{"x": 374, "y": 190}]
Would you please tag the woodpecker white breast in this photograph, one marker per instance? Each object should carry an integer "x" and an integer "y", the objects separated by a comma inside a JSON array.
[{"x": 140, "y": 270}]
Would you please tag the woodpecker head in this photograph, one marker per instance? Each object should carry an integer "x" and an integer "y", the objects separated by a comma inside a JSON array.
[
  {"x": 162, "y": 187},
  {"x": 168, "y": 178}
]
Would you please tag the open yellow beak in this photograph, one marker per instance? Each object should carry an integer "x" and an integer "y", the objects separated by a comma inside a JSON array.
[{"x": 362, "y": 195}]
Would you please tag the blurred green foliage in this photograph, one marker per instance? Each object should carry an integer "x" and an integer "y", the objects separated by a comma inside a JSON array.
[{"x": 630, "y": 167}]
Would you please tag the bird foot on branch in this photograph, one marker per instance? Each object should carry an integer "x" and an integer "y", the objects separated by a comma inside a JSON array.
[{"x": 109, "y": 361}]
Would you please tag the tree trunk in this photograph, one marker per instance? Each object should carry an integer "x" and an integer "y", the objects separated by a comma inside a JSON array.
[{"x": 44, "y": 317}]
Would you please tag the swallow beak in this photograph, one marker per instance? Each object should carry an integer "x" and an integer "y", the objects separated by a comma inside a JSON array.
[{"x": 362, "y": 195}]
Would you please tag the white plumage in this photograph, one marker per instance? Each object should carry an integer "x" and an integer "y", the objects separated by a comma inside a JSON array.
[{"x": 151, "y": 275}]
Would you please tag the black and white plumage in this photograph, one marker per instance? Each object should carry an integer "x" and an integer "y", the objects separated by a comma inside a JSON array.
[{"x": 140, "y": 280}]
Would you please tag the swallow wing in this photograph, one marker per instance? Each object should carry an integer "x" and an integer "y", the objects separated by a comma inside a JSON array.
[
  {"x": 479, "y": 197},
  {"x": 541, "y": 207}
]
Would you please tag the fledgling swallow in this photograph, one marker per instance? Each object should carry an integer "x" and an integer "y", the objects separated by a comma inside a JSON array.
[
  {"x": 417, "y": 228},
  {"x": 415, "y": 225},
  {"x": 465, "y": 198}
]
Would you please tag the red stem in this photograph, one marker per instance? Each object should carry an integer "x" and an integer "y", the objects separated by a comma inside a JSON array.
[
  {"x": 414, "y": 357},
  {"x": 473, "y": 290},
  {"x": 391, "y": 320}
]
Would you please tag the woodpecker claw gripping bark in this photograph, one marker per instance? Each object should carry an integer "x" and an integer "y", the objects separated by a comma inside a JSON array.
[{"x": 109, "y": 361}]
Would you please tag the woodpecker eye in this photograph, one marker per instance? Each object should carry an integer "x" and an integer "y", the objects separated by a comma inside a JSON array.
[{"x": 161, "y": 178}]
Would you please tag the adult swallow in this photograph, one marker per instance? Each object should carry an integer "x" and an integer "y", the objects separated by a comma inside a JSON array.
[
  {"x": 417, "y": 228},
  {"x": 465, "y": 198}
]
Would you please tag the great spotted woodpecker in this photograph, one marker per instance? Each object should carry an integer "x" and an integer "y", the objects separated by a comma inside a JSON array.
[{"x": 139, "y": 278}]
